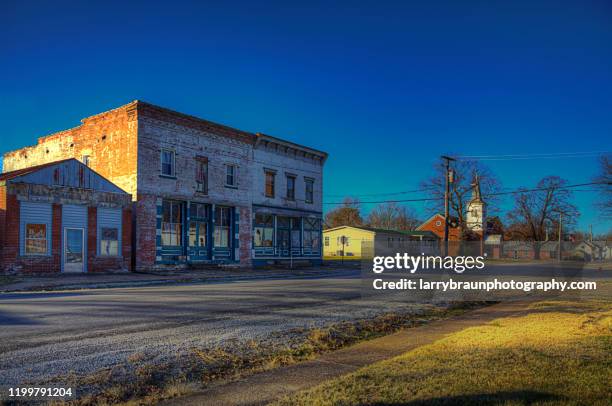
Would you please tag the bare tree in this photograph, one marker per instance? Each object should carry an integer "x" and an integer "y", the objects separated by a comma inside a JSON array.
[
  {"x": 605, "y": 177},
  {"x": 348, "y": 214},
  {"x": 461, "y": 188},
  {"x": 391, "y": 216},
  {"x": 538, "y": 210}
]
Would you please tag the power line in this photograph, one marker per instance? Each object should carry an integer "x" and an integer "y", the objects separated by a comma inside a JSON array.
[
  {"x": 484, "y": 195},
  {"x": 386, "y": 194},
  {"x": 508, "y": 157}
]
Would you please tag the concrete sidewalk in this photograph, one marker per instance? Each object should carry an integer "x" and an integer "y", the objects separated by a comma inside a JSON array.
[
  {"x": 33, "y": 283},
  {"x": 265, "y": 387}
]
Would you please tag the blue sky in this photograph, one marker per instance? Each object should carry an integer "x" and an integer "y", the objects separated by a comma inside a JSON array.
[{"x": 384, "y": 87}]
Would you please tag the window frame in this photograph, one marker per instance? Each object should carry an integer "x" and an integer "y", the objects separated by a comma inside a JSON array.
[
  {"x": 225, "y": 229},
  {"x": 173, "y": 163},
  {"x": 102, "y": 253},
  {"x": 293, "y": 178},
  {"x": 201, "y": 162},
  {"x": 178, "y": 233},
  {"x": 272, "y": 174},
  {"x": 309, "y": 192},
  {"x": 26, "y": 238},
  {"x": 265, "y": 228},
  {"x": 234, "y": 175}
]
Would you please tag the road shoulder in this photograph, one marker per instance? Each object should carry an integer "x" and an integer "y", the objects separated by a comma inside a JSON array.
[{"x": 265, "y": 387}]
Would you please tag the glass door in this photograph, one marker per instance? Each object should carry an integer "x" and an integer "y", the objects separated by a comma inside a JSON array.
[{"x": 74, "y": 243}]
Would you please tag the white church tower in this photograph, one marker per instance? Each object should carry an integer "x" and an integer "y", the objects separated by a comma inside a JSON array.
[{"x": 476, "y": 215}]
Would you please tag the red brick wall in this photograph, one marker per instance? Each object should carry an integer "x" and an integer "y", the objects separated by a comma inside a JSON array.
[
  {"x": 12, "y": 260},
  {"x": 109, "y": 138},
  {"x": 92, "y": 237},
  {"x": 146, "y": 237},
  {"x": 97, "y": 263},
  {"x": 126, "y": 239},
  {"x": 56, "y": 237},
  {"x": 2, "y": 221},
  {"x": 454, "y": 234},
  {"x": 11, "y": 236},
  {"x": 244, "y": 236}
]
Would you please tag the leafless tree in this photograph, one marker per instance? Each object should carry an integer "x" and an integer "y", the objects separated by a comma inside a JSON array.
[
  {"x": 348, "y": 214},
  {"x": 392, "y": 216},
  {"x": 605, "y": 178},
  {"x": 461, "y": 188},
  {"x": 538, "y": 211}
]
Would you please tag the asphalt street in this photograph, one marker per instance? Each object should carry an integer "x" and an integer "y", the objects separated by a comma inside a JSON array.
[
  {"x": 48, "y": 334},
  {"x": 43, "y": 335}
]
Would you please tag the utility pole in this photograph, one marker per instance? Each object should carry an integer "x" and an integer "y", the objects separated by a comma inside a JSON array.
[
  {"x": 447, "y": 181},
  {"x": 560, "y": 232}
]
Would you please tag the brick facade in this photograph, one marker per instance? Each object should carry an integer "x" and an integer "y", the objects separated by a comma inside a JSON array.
[
  {"x": 39, "y": 197},
  {"x": 435, "y": 224},
  {"x": 124, "y": 146}
]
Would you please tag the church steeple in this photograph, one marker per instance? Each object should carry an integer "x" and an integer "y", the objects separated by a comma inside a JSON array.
[
  {"x": 476, "y": 197},
  {"x": 475, "y": 216}
]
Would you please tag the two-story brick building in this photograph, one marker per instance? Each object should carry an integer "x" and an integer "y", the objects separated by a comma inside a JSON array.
[{"x": 202, "y": 192}]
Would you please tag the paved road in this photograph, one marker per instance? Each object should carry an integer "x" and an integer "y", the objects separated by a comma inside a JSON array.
[
  {"x": 45, "y": 334},
  {"x": 48, "y": 334}
]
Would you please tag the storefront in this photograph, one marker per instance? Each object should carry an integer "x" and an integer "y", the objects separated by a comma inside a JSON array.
[
  {"x": 283, "y": 235},
  {"x": 195, "y": 232}
]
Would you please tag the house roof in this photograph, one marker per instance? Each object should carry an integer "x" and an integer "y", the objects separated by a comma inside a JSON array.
[
  {"x": 44, "y": 174},
  {"x": 386, "y": 231},
  {"x": 24, "y": 171},
  {"x": 430, "y": 219}
]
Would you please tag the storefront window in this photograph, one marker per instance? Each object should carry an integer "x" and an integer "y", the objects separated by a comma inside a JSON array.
[
  {"x": 198, "y": 210},
  {"x": 172, "y": 223},
  {"x": 222, "y": 227},
  {"x": 296, "y": 232},
  {"x": 36, "y": 239},
  {"x": 109, "y": 241},
  {"x": 263, "y": 230},
  {"x": 312, "y": 233},
  {"x": 197, "y": 234}
]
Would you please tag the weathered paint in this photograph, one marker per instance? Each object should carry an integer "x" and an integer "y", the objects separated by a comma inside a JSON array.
[{"x": 124, "y": 145}]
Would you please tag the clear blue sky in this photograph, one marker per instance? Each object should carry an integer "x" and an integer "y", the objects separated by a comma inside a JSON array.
[{"x": 384, "y": 87}]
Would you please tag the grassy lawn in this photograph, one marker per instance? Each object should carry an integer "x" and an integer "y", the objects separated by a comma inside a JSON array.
[{"x": 559, "y": 353}]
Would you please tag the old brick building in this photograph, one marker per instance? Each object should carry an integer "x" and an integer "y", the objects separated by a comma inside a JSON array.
[
  {"x": 203, "y": 192},
  {"x": 63, "y": 216}
]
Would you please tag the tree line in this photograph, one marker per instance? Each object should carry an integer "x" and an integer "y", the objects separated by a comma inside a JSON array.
[{"x": 534, "y": 216}]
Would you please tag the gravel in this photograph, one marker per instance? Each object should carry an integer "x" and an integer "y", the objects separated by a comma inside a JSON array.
[{"x": 45, "y": 335}]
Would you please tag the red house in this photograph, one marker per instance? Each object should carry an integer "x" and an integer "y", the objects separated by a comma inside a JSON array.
[{"x": 435, "y": 224}]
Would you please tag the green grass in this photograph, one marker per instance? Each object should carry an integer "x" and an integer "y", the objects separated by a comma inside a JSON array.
[{"x": 559, "y": 353}]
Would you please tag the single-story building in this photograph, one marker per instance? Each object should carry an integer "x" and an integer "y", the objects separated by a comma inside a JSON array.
[
  {"x": 347, "y": 241},
  {"x": 63, "y": 217}
]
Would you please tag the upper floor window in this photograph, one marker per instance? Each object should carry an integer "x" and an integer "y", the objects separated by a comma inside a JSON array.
[
  {"x": 230, "y": 175},
  {"x": 201, "y": 175},
  {"x": 290, "y": 187},
  {"x": 309, "y": 190},
  {"x": 168, "y": 162},
  {"x": 270, "y": 179}
]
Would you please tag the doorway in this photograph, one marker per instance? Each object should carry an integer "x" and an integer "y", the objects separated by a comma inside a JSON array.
[{"x": 74, "y": 249}]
